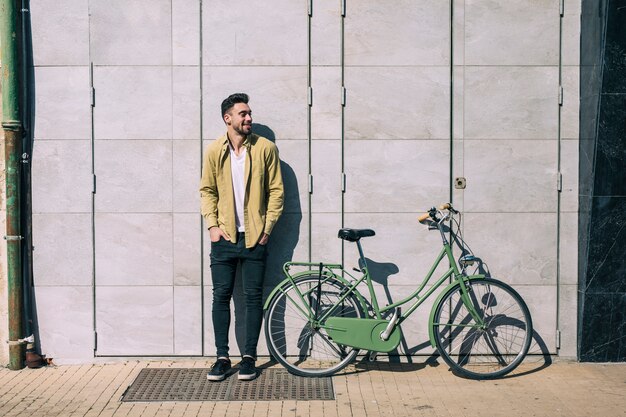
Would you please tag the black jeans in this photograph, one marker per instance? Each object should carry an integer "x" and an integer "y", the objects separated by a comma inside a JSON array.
[{"x": 225, "y": 256}]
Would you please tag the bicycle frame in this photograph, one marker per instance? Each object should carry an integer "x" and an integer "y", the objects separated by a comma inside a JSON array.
[{"x": 327, "y": 271}]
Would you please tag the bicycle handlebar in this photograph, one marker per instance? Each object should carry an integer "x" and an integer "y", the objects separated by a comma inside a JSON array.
[
  {"x": 432, "y": 213},
  {"x": 423, "y": 217}
]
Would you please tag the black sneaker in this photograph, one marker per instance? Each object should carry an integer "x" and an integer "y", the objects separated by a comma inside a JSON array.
[
  {"x": 247, "y": 370},
  {"x": 219, "y": 370}
]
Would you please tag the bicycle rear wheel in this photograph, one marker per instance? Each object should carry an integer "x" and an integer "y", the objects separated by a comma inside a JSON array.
[
  {"x": 489, "y": 351},
  {"x": 292, "y": 338}
]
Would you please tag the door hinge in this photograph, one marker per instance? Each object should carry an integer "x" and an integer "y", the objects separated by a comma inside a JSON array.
[
  {"x": 561, "y": 7},
  {"x": 310, "y": 184},
  {"x": 559, "y": 182},
  {"x": 95, "y": 341},
  {"x": 343, "y": 96},
  {"x": 343, "y": 182},
  {"x": 92, "y": 88},
  {"x": 310, "y": 96},
  {"x": 310, "y": 8},
  {"x": 93, "y": 186},
  {"x": 560, "y": 95},
  {"x": 558, "y": 339}
]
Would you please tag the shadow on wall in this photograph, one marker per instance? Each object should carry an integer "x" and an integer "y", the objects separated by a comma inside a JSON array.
[{"x": 282, "y": 244}]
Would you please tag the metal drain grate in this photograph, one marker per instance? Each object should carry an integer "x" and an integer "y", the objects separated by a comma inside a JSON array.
[{"x": 190, "y": 384}]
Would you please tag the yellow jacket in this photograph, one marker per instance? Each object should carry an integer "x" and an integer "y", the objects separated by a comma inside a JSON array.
[{"x": 264, "y": 188}]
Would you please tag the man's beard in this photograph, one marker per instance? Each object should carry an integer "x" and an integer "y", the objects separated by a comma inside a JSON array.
[{"x": 242, "y": 131}]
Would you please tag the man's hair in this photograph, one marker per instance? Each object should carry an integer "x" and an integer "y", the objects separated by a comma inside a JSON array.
[{"x": 233, "y": 99}]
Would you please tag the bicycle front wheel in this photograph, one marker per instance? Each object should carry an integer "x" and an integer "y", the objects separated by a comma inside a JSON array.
[
  {"x": 293, "y": 337},
  {"x": 492, "y": 349}
]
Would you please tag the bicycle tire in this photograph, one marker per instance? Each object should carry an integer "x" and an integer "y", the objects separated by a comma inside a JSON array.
[
  {"x": 483, "y": 353},
  {"x": 294, "y": 342}
]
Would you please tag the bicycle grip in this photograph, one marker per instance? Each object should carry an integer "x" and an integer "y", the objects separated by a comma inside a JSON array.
[
  {"x": 423, "y": 217},
  {"x": 445, "y": 206}
]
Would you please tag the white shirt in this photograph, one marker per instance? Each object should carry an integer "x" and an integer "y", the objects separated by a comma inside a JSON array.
[{"x": 237, "y": 170}]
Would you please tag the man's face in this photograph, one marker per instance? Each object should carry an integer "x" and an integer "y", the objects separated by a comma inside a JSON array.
[{"x": 239, "y": 118}]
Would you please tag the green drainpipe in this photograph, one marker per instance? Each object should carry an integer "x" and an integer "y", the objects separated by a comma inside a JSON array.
[{"x": 12, "y": 136}]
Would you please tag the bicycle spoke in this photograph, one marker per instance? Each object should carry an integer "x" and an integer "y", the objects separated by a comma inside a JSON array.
[
  {"x": 292, "y": 337},
  {"x": 489, "y": 350}
]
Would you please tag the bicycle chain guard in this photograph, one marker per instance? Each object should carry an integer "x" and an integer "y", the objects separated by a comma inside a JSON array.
[{"x": 362, "y": 333}]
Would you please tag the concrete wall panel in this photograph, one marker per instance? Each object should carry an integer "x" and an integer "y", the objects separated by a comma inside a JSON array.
[
  {"x": 326, "y": 171},
  {"x": 133, "y": 176},
  {"x": 571, "y": 32},
  {"x": 187, "y": 320},
  {"x": 133, "y": 102},
  {"x": 55, "y": 25},
  {"x": 269, "y": 33},
  {"x": 66, "y": 234},
  {"x": 187, "y": 249},
  {"x": 325, "y": 245},
  {"x": 409, "y": 33},
  {"x": 62, "y": 180},
  {"x": 510, "y": 176},
  {"x": 186, "y": 99},
  {"x": 511, "y": 102},
  {"x": 524, "y": 32},
  {"x": 65, "y": 316},
  {"x": 131, "y": 32},
  {"x": 326, "y": 109},
  {"x": 186, "y": 163},
  {"x": 570, "y": 111},
  {"x": 568, "y": 258},
  {"x": 397, "y": 103},
  {"x": 326, "y": 32},
  {"x": 569, "y": 171},
  {"x": 133, "y": 249},
  {"x": 541, "y": 301},
  {"x": 185, "y": 32},
  {"x": 62, "y": 103},
  {"x": 147, "y": 314},
  {"x": 517, "y": 248},
  {"x": 396, "y": 176}
]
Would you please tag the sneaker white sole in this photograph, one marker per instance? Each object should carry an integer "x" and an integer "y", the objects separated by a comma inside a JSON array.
[
  {"x": 215, "y": 377},
  {"x": 247, "y": 377}
]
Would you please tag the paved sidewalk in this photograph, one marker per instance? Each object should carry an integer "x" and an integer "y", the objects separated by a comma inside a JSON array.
[{"x": 364, "y": 389}]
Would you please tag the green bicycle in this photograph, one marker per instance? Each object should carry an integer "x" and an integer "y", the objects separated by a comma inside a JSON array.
[{"x": 316, "y": 321}]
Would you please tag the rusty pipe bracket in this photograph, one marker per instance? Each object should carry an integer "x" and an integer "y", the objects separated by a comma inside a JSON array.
[
  {"x": 13, "y": 125},
  {"x": 13, "y": 237}
]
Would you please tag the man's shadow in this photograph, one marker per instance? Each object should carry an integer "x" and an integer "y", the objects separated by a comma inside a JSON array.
[{"x": 283, "y": 241}]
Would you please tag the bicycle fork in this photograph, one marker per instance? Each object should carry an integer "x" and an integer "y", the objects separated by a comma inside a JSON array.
[{"x": 467, "y": 299}]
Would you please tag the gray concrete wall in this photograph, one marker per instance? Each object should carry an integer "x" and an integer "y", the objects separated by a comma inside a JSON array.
[{"x": 130, "y": 257}]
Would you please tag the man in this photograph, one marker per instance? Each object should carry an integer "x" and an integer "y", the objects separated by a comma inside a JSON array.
[{"x": 241, "y": 192}]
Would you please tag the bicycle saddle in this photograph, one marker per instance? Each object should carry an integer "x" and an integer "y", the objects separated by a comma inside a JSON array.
[{"x": 352, "y": 235}]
